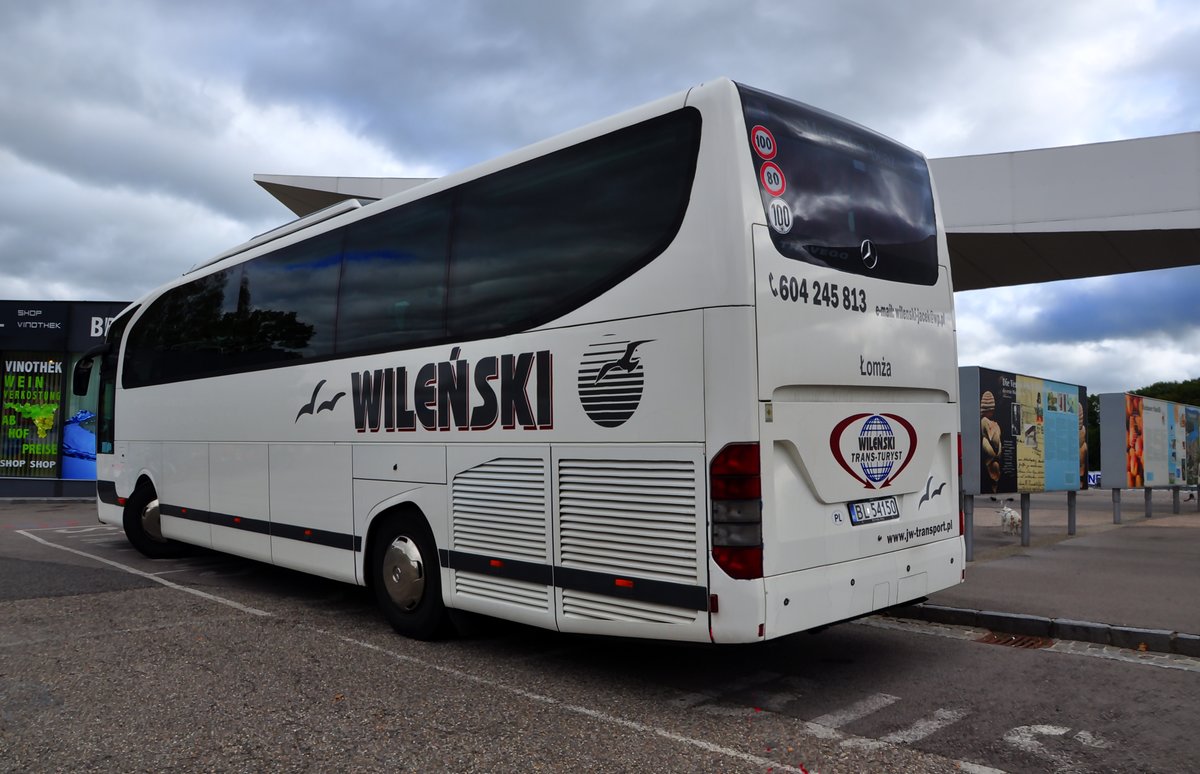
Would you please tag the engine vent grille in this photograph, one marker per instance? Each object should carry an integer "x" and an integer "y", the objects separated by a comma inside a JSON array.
[
  {"x": 581, "y": 604},
  {"x": 532, "y": 596},
  {"x": 499, "y": 508},
  {"x": 635, "y": 517}
]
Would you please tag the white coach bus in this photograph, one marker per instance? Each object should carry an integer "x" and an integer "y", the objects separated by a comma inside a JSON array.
[{"x": 686, "y": 373}]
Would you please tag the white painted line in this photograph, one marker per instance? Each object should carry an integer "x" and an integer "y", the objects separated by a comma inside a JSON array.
[
  {"x": 822, "y": 732},
  {"x": 75, "y": 530},
  {"x": 1093, "y": 740},
  {"x": 150, "y": 576},
  {"x": 602, "y": 717},
  {"x": 976, "y": 768},
  {"x": 866, "y": 743},
  {"x": 925, "y": 726},
  {"x": 1025, "y": 739},
  {"x": 859, "y": 709}
]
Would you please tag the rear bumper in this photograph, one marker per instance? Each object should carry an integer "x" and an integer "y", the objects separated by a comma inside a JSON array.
[{"x": 807, "y": 599}]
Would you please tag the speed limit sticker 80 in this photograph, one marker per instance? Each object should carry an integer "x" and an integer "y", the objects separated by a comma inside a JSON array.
[{"x": 772, "y": 178}]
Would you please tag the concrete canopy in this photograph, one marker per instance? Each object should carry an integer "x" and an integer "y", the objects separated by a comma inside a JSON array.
[
  {"x": 1066, "y": 213},
  {"x": 1011, "y": 218},
  {"x": 305, "y": 194}
]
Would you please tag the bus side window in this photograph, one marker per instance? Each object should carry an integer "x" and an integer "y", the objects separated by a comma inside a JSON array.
[{"x": 393, "y": 287}]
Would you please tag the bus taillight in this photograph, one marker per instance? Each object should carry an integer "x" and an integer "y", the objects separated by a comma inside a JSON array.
[{"x": 735, "y": 482}]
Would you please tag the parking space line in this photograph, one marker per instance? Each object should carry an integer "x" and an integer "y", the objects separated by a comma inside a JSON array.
[
  {"x": 603, "y": 717},
  {"x": 73, "y": 529},
  {"x": 150, "y": 576},
  {"x": 856, "y": 711},
  {"x": 925, "y": 726}
]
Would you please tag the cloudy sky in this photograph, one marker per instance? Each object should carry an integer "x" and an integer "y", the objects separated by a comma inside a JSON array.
[{"x": 130, "y": 129}]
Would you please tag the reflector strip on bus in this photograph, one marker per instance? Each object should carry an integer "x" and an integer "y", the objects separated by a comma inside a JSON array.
[
  {"x": 275, "y": 529},
  {"x": 679, "y": 595}
]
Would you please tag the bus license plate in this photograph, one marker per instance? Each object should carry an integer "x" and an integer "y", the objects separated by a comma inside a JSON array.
[{"x": 868, "y": 511}]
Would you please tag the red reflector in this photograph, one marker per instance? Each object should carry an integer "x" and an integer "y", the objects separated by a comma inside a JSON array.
[
  {"x": 183, "y": 510},
  {"x": 624, "y": 583},
  {"x": 737, "y": 459},
  {"x": 495, "y": 563},
  {"x": 713, "y": 607},
  {"x": 740, "y": 563},
  {"x": 308, "y": 533},
  {"x": 237, "y": 519},
  {"x": 960, "y": 455},
  {"x": 120, "y": 501},
  {"x": 734, "y": 473},
  {"x": 762, "y": 630}
]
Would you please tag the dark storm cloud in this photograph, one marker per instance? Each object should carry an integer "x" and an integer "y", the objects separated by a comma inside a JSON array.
[
  {"x": 471, "y": 80},
  {"x": 1142, "y": 305},
  {"x": 95, "y": 96}
]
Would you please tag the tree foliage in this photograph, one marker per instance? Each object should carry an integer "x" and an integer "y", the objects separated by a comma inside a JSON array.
[{"x": 1179, "y": 392}]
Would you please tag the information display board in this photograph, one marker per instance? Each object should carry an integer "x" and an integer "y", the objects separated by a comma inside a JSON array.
[
  {"x": 30, "y": 424},
  {"x": 1148, "y": 443},
  {"x": 1021, "y": 434}
]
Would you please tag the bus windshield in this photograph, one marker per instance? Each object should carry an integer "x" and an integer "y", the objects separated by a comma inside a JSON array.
[{"x": 839, "y": 195}]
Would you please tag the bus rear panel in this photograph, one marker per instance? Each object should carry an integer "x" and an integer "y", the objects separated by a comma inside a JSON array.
[{"x": 856, "y": 374}]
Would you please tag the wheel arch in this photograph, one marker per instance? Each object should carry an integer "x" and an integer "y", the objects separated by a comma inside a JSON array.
[
  {"x": 145, "y": 479},
  {"x": 405, "y": 510}
]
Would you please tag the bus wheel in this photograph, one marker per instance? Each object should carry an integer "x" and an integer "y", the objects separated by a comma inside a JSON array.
[
  {"x": 142, "y": 526},
  {"x": 406, "y": 579}
]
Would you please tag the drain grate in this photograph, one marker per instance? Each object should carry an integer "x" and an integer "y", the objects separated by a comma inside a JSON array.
[{"x": 1015, "y": 640}]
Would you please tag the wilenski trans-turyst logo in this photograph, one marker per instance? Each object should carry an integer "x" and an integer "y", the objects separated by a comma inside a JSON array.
[
  {"x": 871, "y": 449},
  {"x": 611, "y": 380}
]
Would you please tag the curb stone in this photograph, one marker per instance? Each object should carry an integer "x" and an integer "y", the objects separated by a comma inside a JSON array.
[{"x": 1130, "y": 637}]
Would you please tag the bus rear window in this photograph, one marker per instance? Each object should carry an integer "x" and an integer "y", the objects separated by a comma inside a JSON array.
[{"x": 838, "y": 195}]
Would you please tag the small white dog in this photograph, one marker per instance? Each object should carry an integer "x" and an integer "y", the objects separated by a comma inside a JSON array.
[{"x": 1010, "y": 521}]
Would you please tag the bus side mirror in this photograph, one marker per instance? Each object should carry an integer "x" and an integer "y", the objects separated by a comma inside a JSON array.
[{"x": 82, "y": 374}]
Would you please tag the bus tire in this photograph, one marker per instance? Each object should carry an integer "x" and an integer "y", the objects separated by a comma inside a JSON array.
[
  {"x": 406, "y": 578},
  {"x": 141, "y": 522}
]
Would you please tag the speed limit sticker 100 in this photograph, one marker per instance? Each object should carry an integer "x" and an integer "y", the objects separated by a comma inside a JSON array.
[
  {"x": 779, "y": 214},
  {"x": 763, "y": 142}
]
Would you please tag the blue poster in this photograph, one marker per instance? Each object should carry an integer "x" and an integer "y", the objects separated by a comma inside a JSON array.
[{"x": 1060, "y": 409}]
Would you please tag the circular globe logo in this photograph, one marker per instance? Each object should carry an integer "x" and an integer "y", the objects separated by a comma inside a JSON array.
[
  {"x": 876, "y": 433},
  {"x": 611, "y": 379},
  {"x": 871, "y": 449}
]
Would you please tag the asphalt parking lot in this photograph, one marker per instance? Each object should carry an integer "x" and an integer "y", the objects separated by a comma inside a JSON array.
[
  {"x": 110, "y": 661},
  {"x": 113, "y": 662}
]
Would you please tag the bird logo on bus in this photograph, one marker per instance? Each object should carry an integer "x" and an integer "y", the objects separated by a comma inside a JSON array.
[{"x": 611, "y": 380}]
